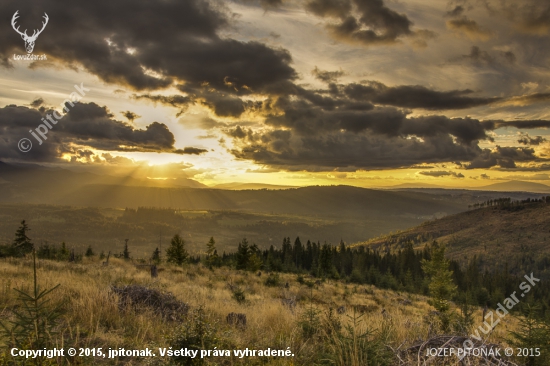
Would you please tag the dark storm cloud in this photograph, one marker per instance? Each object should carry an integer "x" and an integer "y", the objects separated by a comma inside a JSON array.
[
  {"x": 190, "y": 151},
  {"x": 379, "y": 120},
  {"x": 85, "y": 124},
  {"x": 312, "y": 138},
  {"x": 179, "y": 102},
  {"x": 329, "y": 8},
  {"x": 266, "y": 4},
  {"x": 311, "y": 133},
  {"x": 15, "y": 123},
  {"x": 148, "y": 45},
  {"x": 523, "y": 124},
  {"x": 415, "y": 96},
  {"x": 441, "y": 173},
  {"x": 376, "y": 23},
  {"x": 130, "y": 116},
  {"x": 525, "y": 139},
  {"x": 504, "y": 157},
  {"x": 37, "y": 102},
  {"x": 327, "y": 76},
  {"x": 346, "y": 150},
  {"x": 225, "y": 106}
]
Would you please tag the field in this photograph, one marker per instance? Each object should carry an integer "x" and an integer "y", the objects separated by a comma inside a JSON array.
[{"x": 314, "y": 318}]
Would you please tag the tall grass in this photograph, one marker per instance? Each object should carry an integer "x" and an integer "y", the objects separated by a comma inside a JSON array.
[{"x": 93, "y": 317}]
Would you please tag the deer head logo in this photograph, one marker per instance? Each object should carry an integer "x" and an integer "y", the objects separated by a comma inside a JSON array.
[{"x": 29, "y": 40}]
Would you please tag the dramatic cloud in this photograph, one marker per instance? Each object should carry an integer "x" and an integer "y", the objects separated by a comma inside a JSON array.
[
  {"x": 374, "y": 24},
  {"x": 525, "y": 139},
  {"x": 327, "y": 76},
  {"x": 504, "y": 157},
  {"x": 114, "y": 41},
  {"x": 85, "y": 125},
  {"x": 526, "y": 124},
  {"x": 179, "y": 102},
  {"x": 130, "y": 116},
  {"x": 441, "y": 173},
  {"x": 415, "y": 96}
]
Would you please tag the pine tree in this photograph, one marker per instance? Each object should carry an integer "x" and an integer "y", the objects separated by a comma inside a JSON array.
[
  {"x": 325, "y": 261},
  {"x": 255, "y": 262},
  {"x": 211, "y": 253},
  {"x": 155, "y": 258},
  {"x": 89, "y": 252},
  {"x": 243, "y": 255},
  {"x": 22, "y": 243},
  {"x": 298, "y": 253},
  {"x": 441, "y": 284},
  {"x": 176, "y": 252},
  {"x": 533, "y": 333},
  {"x": 64, "y": 252}
]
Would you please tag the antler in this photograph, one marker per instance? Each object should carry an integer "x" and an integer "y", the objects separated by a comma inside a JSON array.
[
  {"x": 37, "y": 32},
  {"x": 13, "y": 19}
]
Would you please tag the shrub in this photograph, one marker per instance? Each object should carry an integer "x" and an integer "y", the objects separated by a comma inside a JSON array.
[
  {"x": 197, "y": 333},
  {"x": 355, "y": 344},
  {"x": 238, "y": 295},
  {"x": 273, "y": 280}
]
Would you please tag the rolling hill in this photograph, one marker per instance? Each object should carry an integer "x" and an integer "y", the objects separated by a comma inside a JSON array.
[{"x": 518, "y": 235}]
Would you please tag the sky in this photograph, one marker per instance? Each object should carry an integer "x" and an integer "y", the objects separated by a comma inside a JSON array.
[{"x": 368, "y": 93}]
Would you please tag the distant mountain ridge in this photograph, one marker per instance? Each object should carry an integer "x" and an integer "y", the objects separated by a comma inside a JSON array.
[
  {"x": 517, "y": 185},
  {"x": 241, "y": 186}
]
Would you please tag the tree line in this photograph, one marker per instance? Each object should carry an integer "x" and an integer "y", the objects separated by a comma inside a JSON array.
[{"x": 401, "y": 270}]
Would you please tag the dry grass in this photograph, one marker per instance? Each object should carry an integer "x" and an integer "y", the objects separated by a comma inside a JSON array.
[{"x": 93, "y": 317}]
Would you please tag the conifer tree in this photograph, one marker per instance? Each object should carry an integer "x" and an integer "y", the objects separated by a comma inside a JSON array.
[
  {"x": 441, "y": 284},
  {"x": 211, "y": 253},
  {"x": 176, "y": 252},
  {"x": 89, "y": 252},
  {"x": 255, "y": 262},
  {"x": 533, "y": 333},
  {"x": 243, "y": 254},
  {"x": 64, "y": 252},
  {"x": 155, "y": 258},
  {"x": 298, "y": 252},
  {"x": 22, "y": 243}
]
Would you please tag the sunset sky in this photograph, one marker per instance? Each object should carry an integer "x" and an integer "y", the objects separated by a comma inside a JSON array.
[{"x": 369, "y": 93}]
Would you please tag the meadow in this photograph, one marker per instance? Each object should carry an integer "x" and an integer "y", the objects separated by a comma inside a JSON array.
[{"x": 324, "y": 322}]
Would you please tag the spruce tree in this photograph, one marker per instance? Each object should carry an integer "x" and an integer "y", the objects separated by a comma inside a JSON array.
[
  {"x": 155, "y": 258},
  {"x": 22, "y": 243},
  {"x": 441, "y": 284},
  {"x": 254, "y": 262},
  {"x": 243, "y": 255},
  {"x": 89, "y": 252},
  {"x": 176, "y": 252},
  {"x": 211, "y": 253},
  {"x": 533, "y": 333},
  {"x": 64, "y": 252}
]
